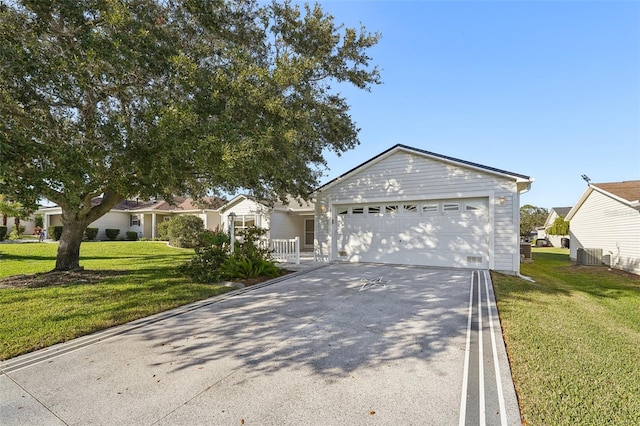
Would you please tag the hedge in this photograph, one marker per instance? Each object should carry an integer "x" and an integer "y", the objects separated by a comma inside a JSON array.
[{"x": 112, "y": 234}]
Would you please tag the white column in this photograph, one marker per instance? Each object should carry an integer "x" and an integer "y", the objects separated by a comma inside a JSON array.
[{"x": 153, "y": 226}]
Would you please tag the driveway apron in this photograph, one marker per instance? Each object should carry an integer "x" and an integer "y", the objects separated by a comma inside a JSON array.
[{"x": 341, "y": 344}]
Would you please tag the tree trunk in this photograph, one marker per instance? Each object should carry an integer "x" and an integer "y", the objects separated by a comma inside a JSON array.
[
  {"x": 5, "y": 217},
  {"x": 68, "y": 257}
]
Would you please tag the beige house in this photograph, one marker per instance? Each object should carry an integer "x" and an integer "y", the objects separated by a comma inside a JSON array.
[{"x": 143, "y": 217}]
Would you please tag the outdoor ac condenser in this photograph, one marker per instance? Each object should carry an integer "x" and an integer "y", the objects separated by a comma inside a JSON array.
[{"x": 589, "y": 256}]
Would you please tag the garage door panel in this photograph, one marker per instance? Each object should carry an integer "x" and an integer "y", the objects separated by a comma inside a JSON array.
[{"x": 443, "y": 238}]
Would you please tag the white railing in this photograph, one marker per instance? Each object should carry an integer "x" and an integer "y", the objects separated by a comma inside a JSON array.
[{"x": 286, "y": 250}]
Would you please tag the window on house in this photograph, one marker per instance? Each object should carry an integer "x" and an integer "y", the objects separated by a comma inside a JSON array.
[
  {"x": 357, "y": 210},
  {"x": 134, "y": 220},
  {"x": 410, "y": 208},
  {"x": 343, "y": 211}
]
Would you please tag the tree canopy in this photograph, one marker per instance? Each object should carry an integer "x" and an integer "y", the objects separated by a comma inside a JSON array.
[
  {"x": 559, "y": 227},
  {"x": 531, "y": 217},
  {"x": 119, "y": 98}
]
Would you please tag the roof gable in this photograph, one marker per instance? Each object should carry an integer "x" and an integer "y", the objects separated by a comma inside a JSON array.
[
  {"x": 626, "y": 192},
  {"x": 526, "y": 180}
]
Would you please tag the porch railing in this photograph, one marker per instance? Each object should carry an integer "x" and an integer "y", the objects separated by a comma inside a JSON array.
[{"x": 286, "y": 250}]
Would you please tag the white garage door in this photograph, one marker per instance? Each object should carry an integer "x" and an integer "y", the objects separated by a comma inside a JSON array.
[{"x": 450, "y": 233}]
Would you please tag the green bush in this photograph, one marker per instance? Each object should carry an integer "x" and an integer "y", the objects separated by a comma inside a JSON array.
[
  {"x": 131, "y": 235},
  {"x": 90, "y": 234},
  {"x": 3, "y": 232},
  {"x": 185, "y": 231},
  {"x": 112, "y": 234},
  {"x": 14, "y": 234},
  {"x": 55, "y": 232},
  {"x": 163, "y": 230},
  {"x": 205, "y": 267},
  {"x": 214, "y": 261},
  {"x": 239, "y": 266}
]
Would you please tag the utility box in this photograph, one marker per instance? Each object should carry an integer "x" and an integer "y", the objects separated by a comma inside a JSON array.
[{"x": 589, "y": 256}]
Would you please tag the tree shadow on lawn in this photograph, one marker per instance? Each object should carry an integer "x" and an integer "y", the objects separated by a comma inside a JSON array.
[{"x": 322, "y": 321}]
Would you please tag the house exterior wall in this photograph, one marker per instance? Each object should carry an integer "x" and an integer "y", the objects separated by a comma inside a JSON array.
[
  {"x": 29, "y": 225},
  {"x": 602, "y": 222},
  {"x": 114, "y": 220},
  {"x": 248, "y": 209},
  {"x": 405, "y": 176},
  {"x": 285, "y": 225}
]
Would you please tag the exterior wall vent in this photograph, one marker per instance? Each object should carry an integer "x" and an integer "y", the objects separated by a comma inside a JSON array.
[
  {"x": 474, "y": 259},
  {"x": 589, "y": 256}
]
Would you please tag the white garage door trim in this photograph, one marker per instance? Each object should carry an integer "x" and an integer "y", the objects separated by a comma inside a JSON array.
[{"x": 448, "y": 232}]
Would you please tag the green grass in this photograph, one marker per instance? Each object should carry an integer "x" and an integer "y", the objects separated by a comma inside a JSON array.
[
  {"x": 573, "y": 339},
  {"x": 33, "y": 318}
]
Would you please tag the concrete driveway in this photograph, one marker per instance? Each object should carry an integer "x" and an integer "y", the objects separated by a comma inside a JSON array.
[{"x": 329, "y": 346}]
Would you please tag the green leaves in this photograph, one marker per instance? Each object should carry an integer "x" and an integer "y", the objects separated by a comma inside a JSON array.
[{"x": 146, "y": 98}]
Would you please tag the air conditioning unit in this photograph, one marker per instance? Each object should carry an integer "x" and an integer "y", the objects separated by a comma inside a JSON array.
[{"x": 589, "y": 256}]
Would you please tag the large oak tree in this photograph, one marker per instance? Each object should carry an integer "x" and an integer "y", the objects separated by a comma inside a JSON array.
[{"x": 123, "y": 98}]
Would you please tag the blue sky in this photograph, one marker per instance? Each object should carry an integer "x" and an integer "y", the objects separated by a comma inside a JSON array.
[{"x": 546, "y": 89}]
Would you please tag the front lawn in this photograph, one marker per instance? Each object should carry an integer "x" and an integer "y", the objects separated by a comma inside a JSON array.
[
  {"x": 142, "y": 280},
  {"x": 573, "y": 339}
]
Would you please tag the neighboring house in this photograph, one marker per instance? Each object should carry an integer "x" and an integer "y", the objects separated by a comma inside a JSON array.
[
  {"x": 607, "y": 217},
  {"x": 283, "y": 221},
  {"x": 144, "y": 216},
  {"x": 556, "y": 212},
  {"x": 29, "y": 225},
  {"x": 410, "y": 206}
]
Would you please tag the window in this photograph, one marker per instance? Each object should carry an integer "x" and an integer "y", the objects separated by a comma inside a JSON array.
[
  {"x": 474, "y": 205},
  {"x": 391, "y": 209},
  {"x": 373, "y": 209},
  {"x": 343, "y": 211},
  {"x": 428, "y": 208},
  {"x": 451, "y": 207},
  {"x": 134, "y": 220},
  {"x": 357, "y": 210},
  {"x": 410, "y": 208}
]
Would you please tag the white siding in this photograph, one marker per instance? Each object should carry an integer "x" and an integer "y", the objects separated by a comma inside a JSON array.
[
  {"x": 406, "y": 176},
  {"x": 284, "y": 225},
  {"x": 114, "y": 220},
  {"x": 602, "y": 222},
  {"x": 248, "y": 209}
]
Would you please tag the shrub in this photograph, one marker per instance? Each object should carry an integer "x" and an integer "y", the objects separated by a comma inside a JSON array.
[
  {"x": 239, "y": 266},
  {"x": 205, "y": 267},
  {"x": 3, "y": 232},
  {"x": 14, "y": 234},
  {"x": 90, "y": 234},
  {"x": 132, "y": 235},
  {"x": 214, "y": 262},
  {"x": 184, "y": 231},
  {"x": 112, "y": 234},
  {"x": 163, "y": 230},
  {"x": 55, "y": 232}
]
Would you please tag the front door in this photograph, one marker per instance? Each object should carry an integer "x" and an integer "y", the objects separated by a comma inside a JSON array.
[{"x": 309, "y": 233}]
